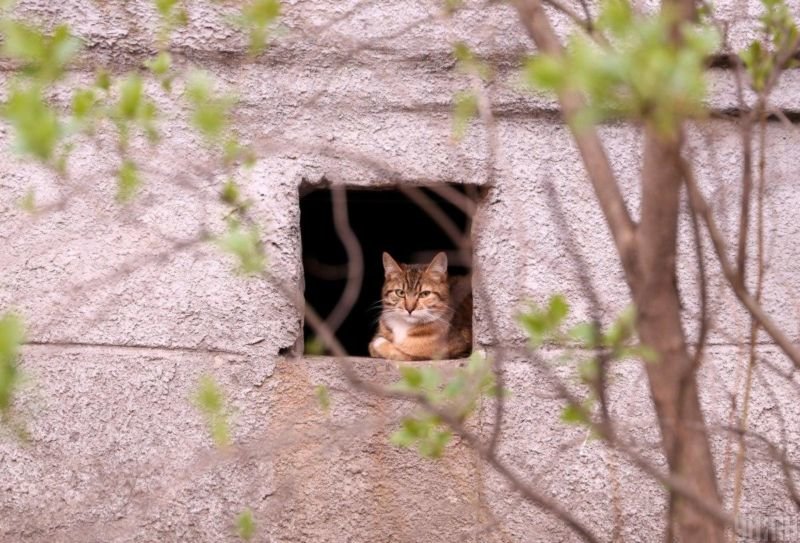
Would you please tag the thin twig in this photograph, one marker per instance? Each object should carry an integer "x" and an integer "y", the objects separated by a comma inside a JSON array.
[
  {"x": 701, "y": 206},
  {"x": 355, "y": 259},
  {"x": 752, "y": 359},
  {"x": 498, "y": 360},
  {"x": 595, "y": 159}
]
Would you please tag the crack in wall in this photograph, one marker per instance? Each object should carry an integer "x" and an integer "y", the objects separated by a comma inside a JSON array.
[{"x": 132, "y": 347}]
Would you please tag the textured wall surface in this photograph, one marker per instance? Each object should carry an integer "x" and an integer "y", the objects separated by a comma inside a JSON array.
[{"x": 122, "y": 326}]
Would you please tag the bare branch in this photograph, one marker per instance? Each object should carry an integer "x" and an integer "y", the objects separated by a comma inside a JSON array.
[
  {"x": 355, "y": 260},
  {"x": 546, "y": 503},
  {"x": 702, "y": 332},
  {"x": 595, "y": 160},
  {"x": 701, "y": 206}
]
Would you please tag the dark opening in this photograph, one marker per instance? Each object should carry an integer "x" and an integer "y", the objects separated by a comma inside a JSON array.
[{"x": 382, "y": 220}]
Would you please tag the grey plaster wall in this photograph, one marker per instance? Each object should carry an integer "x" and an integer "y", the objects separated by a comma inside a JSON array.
[{"x": 121, "y": 326}]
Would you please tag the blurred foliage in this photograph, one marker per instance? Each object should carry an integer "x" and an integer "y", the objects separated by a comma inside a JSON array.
[
  {"x": 128, "y": 181},
  {"x": 258, "y": 17},
  {"x": 323, "y": 397},
  {"x": 244, "y": 243},
  {"x": 36, "y": 124},
  {"x": 28, "y": 202},
  {"x": 44, "y": 130},
  {"x": 584, "y": 344},
  {"x": 458, "y": 395},
  {"x": 640, "y": 73},
  {"x": 44, "y": 57},
  {"x": 314, "y": 346},
  {"x": 161, "y": 66},
  {"x": 468, "y": 62},
  {"x": 465, "y": 102},
  {"x": 12, "y": 334},
  {"x": 451, "y": 6},
  {"x": 210, "y": 400},
  {"x": 780, "y": 39},
  {"x": 246, "y": 525},
  {"x": 210, "y": 112},
  {"x": 464, "y": 110}
]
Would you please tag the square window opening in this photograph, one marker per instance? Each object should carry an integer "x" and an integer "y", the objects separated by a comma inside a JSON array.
[{"x": 382, "y": 219}]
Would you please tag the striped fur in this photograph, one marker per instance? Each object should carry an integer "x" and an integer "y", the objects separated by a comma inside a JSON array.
[{"x": 426, "y": 314}]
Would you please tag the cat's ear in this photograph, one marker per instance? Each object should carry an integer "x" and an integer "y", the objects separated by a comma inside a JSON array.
[
  {"x": 438, "y": 264},
  {"x": 390, "y": 265}
]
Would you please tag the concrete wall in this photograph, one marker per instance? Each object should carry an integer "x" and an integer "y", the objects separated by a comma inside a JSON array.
[{"x": 121, "y": 327}]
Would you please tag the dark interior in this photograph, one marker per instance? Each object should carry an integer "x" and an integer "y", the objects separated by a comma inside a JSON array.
[{"x": 383, "y": 220}]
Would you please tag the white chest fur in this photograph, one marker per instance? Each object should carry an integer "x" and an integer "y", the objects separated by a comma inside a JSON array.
[{"x": 399, "y": 327}]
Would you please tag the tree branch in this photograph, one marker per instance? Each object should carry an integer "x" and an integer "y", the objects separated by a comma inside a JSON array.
[
  {"x": 595, "y": 160},
  {"x": 700, "y": 206}
]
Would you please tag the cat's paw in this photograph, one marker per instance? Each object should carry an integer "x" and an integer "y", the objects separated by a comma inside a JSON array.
[{"x": 377, "y": 346}]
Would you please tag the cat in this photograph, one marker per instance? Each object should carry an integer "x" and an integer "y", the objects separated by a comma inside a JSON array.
[{"x": 426, "y": 315}]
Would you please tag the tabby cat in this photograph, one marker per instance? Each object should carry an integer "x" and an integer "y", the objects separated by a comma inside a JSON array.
[{"x": 425, "y": 315}]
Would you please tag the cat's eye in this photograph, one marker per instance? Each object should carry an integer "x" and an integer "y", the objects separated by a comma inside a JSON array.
[
  {"x": 400, "y": 292},
  {"x": 424, "y": 293}
]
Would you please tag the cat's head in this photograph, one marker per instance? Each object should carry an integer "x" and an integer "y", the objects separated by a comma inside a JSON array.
[{"x": 417, "y": 293}]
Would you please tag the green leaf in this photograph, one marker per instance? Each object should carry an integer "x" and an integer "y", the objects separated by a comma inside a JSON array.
[
  {"x": 558, "y": 309},
  {"x": 209, "y": 396},
  {"x": 586, "y": 334},
  {"x": 588, "y": 370},
  {"x": 545, "y": 72},
  {"x": 640, "y": 75},
  {"x": 543, "y": 325},
  {"x": 102, "y": 79},
  {"x": 433, "y": 446},
  {"x": 128, "y": 181},
  {"x": 209, "y": 119},
  {"x": 402, "y": 437},
  {"x": 220, "y": 432},
  {"x": 161, "y": 64},
  {"x": 211, "y": 402},
  {"x": 462, "y": 52},
  {"x": 210, "y": 115},
  {"x": 230, "y": 193},
  {"x": 456, "y": 386},
  {"x": 314, "y": 346},
  {"x": 464, "y": 109},
  {"x": 36, "y": 124},
  {"x": 431, "y": 379},
  {"x": 83, "y": 102},
  {"x": 165, "y": 7},
  {"x": 28, "y": 202},
  {"x": 412, "y": 377},
  {"x": 430, "y": 439},
  {"x": 573, "y": 414},
  {"x": 616, "y": 15},
  {"x": 451, "y": 6},
  {"x": 323, "y": 397},
  {"x": 258, "y": 16},
  {"x": 468, "y": 62},
  {"x": 245, "y": 525},
  {"x": 622, "y": 329},
  {"x": 130, "y": 100},
  {"x": 246, "y": 246},
  {"x": 644, "y": 352},
  {"x": 262, "y": 12},
  {"x": 12, "y": 334},
  {"x": 45, "y": 57}
]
